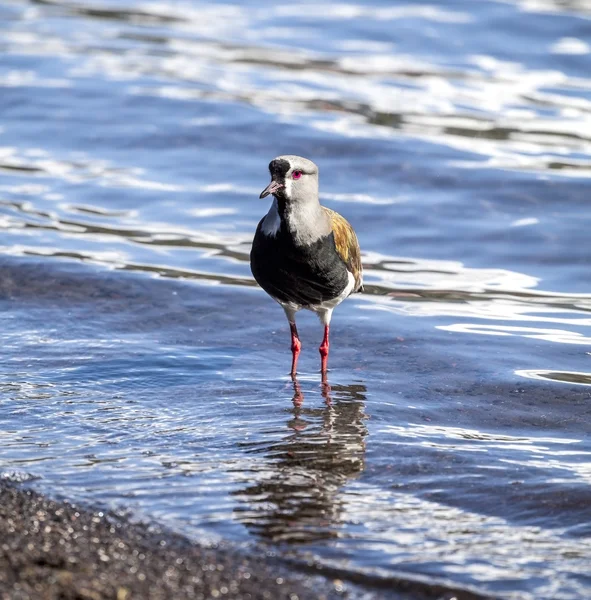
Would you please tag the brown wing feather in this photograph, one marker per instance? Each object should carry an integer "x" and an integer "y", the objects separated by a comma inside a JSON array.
[{"x": 347, "y": 246}]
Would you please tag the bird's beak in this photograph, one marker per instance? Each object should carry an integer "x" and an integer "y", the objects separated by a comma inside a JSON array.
[{"x": 271, "y": 189}]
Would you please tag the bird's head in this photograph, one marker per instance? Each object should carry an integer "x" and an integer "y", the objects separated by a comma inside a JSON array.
[{"x": 294, "y": 180}]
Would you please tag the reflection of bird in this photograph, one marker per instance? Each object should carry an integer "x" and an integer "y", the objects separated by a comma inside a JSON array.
[
  {"x": 303, "y": 254},
  {"x": 298, "y": 396},
  {"x": 296, "y": 494}
]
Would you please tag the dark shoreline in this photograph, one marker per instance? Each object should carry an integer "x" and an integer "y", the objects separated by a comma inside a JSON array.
[{"x": 52, "y": 550}]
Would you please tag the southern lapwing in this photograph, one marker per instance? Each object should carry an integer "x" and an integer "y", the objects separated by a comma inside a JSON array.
[{"x": 304, "y": 255}]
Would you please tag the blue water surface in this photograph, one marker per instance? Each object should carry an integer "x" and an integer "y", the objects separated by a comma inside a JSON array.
[{"x": 140, "y": 365}]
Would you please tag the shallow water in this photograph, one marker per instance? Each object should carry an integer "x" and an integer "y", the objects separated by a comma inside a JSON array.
[{"x": 141, "y": 366}]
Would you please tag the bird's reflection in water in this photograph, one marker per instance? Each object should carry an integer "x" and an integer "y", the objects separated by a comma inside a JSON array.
[{"x": 297, "y": 495}]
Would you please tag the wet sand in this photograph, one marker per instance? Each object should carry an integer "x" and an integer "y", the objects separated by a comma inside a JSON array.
[{"x": 53, "y": 550}]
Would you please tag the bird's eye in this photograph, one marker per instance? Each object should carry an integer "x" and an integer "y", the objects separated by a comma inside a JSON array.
[{"x": 296, "y": 174}]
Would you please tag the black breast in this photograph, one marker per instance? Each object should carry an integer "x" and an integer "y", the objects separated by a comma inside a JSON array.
[{"x": 305, "y": 275}]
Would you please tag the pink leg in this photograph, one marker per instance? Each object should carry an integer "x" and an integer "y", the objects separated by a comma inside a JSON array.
[
  {"x": 296, "y": 346},
  {"x": 324, "y": 351}
]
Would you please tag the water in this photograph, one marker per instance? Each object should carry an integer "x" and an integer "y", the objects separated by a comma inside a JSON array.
[{"x": 141, "y": 366}]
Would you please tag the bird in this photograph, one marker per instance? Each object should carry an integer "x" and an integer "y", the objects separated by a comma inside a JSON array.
[{"x": 304, "y": 255}]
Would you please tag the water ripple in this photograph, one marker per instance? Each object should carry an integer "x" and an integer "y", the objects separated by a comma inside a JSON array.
[{"x": 141, "y": 364}]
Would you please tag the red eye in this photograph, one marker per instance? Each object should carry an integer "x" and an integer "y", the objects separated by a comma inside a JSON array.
[{"x": 296, "y": 174}]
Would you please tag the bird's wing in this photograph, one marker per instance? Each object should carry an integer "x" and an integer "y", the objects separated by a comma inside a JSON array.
[{"x": 347, "y": 246}]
